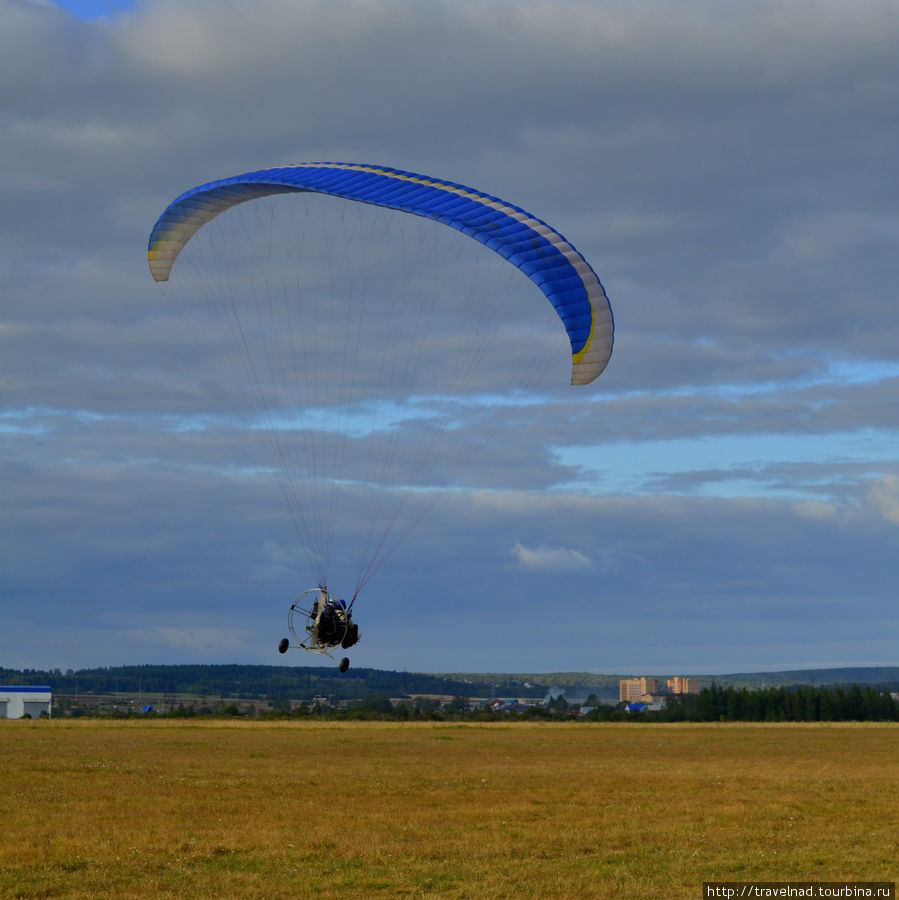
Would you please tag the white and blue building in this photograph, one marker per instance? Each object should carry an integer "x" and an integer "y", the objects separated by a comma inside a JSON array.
[{"x": 19, "y": 700}]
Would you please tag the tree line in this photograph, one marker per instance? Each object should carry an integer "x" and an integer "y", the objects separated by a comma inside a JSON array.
[
  {"x": 711, "y": 704},
  {"x": 717, "y": 703},
  {"x": 260, "y": 682}
]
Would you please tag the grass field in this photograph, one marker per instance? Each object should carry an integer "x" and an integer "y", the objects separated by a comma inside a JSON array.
[{"x": 175, "y": 808}]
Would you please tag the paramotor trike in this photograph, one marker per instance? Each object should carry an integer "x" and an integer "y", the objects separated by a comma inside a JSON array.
[{"x": 320, "y": 622}]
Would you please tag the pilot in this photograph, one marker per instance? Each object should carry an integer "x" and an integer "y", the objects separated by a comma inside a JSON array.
[{"x": 330, "y": 625}]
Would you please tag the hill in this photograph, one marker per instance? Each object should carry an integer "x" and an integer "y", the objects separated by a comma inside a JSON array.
[
  {"x": 879, "y": 676},
  {"x": 296, "y": 682}
]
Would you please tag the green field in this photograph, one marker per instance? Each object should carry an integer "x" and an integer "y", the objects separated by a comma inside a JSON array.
[{"x": 166, "y": 808}]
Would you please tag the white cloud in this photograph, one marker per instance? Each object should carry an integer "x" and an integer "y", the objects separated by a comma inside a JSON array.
[
  {"x": 883, "y": 495},
  {"x": 816, "y": 509},
  {"x": 550, "y": 559}
]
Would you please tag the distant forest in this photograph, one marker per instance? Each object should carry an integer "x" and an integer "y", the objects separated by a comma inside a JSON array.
[
  {"x": 266, "y": 682},
  {"x": 375, "y": 693},
  {"x": 782, "y": 704}
]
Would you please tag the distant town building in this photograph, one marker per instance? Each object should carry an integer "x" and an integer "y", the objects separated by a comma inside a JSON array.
[
  {"x": 679, "y": 685},
  {"x": 19, "y": 700},
  {"x": 631, "y": 690}
]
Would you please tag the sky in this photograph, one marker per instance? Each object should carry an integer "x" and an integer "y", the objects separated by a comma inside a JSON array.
[{"x": 724, "y": 498}]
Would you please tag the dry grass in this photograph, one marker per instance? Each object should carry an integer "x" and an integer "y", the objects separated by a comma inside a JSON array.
[{"x": 284, "y": 809}]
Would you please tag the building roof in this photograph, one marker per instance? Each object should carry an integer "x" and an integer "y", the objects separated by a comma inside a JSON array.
[{"x": 25, "y": 688}]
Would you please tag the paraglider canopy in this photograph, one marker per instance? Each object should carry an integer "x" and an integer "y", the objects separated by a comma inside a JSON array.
[{"x": 543, "y": 254}]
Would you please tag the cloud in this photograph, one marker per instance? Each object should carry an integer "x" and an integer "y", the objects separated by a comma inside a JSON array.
[
  {"x": 815, "y": 509},
  {"x": 553, "y": 559},
  {"x": 193, "y": 640},
  {"x": 883, "y": 495},
  {"x": 281, "y": 562}
]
